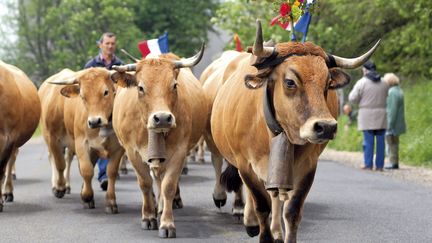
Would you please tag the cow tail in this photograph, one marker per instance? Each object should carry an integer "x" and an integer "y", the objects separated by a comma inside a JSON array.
[{"x": 230, "y": 179}]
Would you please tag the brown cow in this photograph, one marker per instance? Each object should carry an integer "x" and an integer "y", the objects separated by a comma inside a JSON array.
[
  {"x": 163, "y": 99},
  {"x": 212, "y": 79},
  {"x": 76, "y": 116},
  {"x": 19, "y": 111},
  {"x": 299, "y": 80}
]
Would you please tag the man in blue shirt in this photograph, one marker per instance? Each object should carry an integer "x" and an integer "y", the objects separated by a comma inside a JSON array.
[{"x": 106, "y": 59}]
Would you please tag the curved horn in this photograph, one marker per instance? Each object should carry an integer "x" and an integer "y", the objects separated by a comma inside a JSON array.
[
  {"x": 134, "y": 59},
  {"x": 335, "y": 61},
  {"x": 258, "y": 49},
  {"x": 191, "y": 61},
  {"x": 125, "y": 68},
  {"x": 67, "y": 81}
]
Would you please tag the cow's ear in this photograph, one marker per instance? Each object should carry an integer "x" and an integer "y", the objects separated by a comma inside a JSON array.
[
  {"x": 254, "y": 81},
  {"x": 123, "y": 79},
  {"x": 70, "y": 91},
  {"x": 338, "y": 78}
]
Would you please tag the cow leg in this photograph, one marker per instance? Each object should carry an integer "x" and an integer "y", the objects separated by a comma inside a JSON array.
[
  {"x": 177, "y": 201},
  {"x": 260, "y": 197},
  {"x": 200, "y": 151},
  {"x": 145, "y": 181},
  {"x": 8, "y": 186},
  {"x": 292, "y": 212},
  {"x": 68, "y": 159},
  {"x": 219, "y": 193},
  {"x": 56, "y": 158},
  {"x": 4, "y": 158},
  {"x": 123, "y": 165},
  {"x": 276, "y": 219},
  {"x": 86, "y": 168},
  {"x": 250, "y": 219},
  {"x": 112, "y": 169},
  {"x": 238, "y": 205},
  {"x": 168, "y": 190}
]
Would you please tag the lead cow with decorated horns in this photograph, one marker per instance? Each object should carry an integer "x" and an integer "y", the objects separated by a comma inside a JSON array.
[
  {"x": 158, "y": 118},
  {"x": 279, "y": 112}
]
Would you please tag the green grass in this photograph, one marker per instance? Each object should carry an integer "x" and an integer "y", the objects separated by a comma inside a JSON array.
[
  {"x": 38, "y": 132},
  {"x": 415, "y": 146}
]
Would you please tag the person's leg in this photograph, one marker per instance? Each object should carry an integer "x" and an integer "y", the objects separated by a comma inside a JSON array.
[
  {"x": 393, "y": 149},
  {"x": 368, "y": 147},
  {"x": 380, "y": 150},
  {"x": 102, "y": 176}
]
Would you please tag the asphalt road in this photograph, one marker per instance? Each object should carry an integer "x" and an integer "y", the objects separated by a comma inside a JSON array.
[{"x": 344, "y": 205}]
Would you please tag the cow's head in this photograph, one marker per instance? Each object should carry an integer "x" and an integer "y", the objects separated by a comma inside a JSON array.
[
  {"x": 302, "y": 77},
  {"x": 96, "y": 89},
  {"x": 157, "y": 89}
]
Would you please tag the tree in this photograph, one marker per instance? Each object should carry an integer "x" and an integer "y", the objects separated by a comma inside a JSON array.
[
  {"x": 240, "y": 16},
  {"x": 187, "y": 22}
]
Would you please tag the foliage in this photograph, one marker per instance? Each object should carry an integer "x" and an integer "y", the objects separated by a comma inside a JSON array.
[
  {"x": 348, "y": 28},
  {"x": 348, "y": 138},
  {"x": 240, "y": 16},
  {"x": 53, "y": 35},
  {"x": 187, "y": 22}
]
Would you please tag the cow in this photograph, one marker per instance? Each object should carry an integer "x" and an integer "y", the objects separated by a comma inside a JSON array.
[
  {"x": 19, "y": 111},
  {"x": 76, "y": 119},
  {"x": 289, "y": 91},
  {"x": 162, "y": 99},
  {"x": 212, "y": 78}
]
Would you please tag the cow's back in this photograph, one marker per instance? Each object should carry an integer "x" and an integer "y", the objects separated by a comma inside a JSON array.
[
  {"x": 19, "y": 104},
  {"x": 53, "y": 107}
]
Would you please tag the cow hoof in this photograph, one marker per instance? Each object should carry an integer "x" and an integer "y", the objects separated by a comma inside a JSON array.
[
  {"x": 177, "y": 203},
  {"x": 8, "y": 197},
  {"x": 68, "y": 190},
  {"x": 219, "y": 202},
  {"x": 1, "y": 207},
  {"x": 167, "y": 233},
  {"x": 278, "y": 241},
  {"x": 111, "y": 209},
  {"x": 149, "y": 224},
  {"x": 185, "y": 171},
  {"x": 201, "y": 161},
  {"x": 58, "y": 193},
  {"x": 90, "y": 204},
  {"x": 252, "y": 231},
  {"x": 14, "y": 177}
]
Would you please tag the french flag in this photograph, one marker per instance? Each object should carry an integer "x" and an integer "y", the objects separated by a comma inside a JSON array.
[{"x": 154, "y": 46}]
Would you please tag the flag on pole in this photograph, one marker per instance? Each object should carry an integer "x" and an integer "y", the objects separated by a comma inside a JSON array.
[
  {"x": 238, "y": 43},
  {"x": 154, "y": 46}
]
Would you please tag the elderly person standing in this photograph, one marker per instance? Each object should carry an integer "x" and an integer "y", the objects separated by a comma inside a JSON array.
[
  {"x": 370, "y": 94},
  {"x": 395, "y": 119}
]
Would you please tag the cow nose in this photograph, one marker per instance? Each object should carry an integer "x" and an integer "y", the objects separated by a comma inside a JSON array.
[
  {"x": 325, "y": 130},
  {"x": 94, "y": 122},
  {"x": 163, "y": 120}
]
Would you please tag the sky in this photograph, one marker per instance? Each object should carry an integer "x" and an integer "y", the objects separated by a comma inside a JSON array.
[{"x": 6, "y": 31}]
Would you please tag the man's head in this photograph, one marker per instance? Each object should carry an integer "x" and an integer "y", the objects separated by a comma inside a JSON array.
[
  {"x": 107, "y": 43},
  {"x": 369, "y": 66}
]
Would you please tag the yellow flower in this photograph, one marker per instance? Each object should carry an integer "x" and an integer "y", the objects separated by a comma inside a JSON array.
[{"x": 296, "y": 3}]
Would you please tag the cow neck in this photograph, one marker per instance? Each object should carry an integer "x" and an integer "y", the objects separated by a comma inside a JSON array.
[{"x": 269, "y": 110}]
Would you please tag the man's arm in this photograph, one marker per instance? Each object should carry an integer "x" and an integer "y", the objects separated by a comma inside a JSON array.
[{"x": 355, "y": 94}]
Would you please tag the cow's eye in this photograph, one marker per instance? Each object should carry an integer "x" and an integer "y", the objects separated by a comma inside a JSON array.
[
  {"x": 290, "y": 83},
  {"x": 141, "y": 89},
  {"x": 106, "y": 93}
]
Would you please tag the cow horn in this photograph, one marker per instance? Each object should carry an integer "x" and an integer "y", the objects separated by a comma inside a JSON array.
[
  {"x": 191, "y": 61},
  {"x": 258, "y": 49},
  {"x": 134, "y": 59},
  {"x": 67, "y": 81},
  {"x": 125, "y": 68},
  {"x": 335, "y": 61}
]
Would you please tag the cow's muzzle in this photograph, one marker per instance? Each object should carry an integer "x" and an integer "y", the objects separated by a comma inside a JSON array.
[
  {"x": 325, "y": 130},
  {"x": 161, "y": 121},
  {"x": 94, "y": 122}
]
